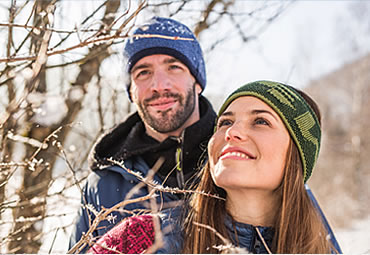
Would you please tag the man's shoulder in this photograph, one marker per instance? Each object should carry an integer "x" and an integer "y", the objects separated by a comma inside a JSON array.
[
  {"x": 110, "y": 143},
  {"x": 114, "y": 172},
  {"x": 106, "y": 178}
]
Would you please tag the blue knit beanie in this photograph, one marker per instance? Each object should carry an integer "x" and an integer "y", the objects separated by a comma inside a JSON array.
[{"x": 169, "y": 37}]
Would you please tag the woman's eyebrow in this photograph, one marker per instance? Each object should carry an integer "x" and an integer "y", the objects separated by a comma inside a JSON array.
[
  {"x": 228, "y": 113},
  {"x": 257, "y": 111}
]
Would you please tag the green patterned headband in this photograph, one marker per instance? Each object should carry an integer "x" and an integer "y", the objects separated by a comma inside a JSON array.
[{"x": 298, "y": 117}]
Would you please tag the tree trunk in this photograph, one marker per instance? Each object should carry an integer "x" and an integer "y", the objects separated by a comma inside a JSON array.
[
  {"x": 6, "y": 147},
  {"x": 25, "y": 236},
  {"x": 34, "y": 189}
]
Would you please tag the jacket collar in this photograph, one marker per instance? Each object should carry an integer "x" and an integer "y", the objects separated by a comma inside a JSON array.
[
  {"x": 121, "y": 142},
  {"x": 245, "y": 235}
]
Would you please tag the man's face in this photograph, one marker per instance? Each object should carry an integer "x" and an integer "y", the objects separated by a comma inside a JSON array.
[{"x": 166, "y": 94}]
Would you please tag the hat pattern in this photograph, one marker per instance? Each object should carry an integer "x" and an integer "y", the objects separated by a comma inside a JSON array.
[
  {"x": 170, "y": 37},
  {"x": 297, "y": 115}
]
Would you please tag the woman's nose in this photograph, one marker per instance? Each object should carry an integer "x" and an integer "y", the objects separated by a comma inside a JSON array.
[{"x": 235, "y": 132}]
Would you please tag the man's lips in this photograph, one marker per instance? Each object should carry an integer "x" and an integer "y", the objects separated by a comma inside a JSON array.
[
  {"x": 236, "y": 153},
  {"x": 162, "y": 104}
]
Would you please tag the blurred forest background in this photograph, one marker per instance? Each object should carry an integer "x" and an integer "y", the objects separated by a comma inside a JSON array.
[{"x": 62, "y": 86}]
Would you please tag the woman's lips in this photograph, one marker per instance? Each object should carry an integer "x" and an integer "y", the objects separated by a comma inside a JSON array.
[{"x": 236, "y": 153}]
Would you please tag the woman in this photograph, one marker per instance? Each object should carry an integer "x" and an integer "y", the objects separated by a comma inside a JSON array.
[{"x": 263, "y": 151}]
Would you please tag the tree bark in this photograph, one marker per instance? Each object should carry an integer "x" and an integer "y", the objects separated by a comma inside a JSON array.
[{"x": 33, "y": 192}]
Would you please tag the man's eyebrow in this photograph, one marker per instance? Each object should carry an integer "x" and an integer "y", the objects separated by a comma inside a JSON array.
[
  {"x": 142, "y": 66},
  {"x": 171, "y": 60}
]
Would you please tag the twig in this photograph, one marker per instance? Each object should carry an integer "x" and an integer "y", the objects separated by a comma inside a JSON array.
[
  {"x": 54, "y": 238},
  {"x": 27, "y": 140},
  {"x": 98, "y": 40},
  {"x": 158, "y": 236},
  {"x": 227, "y": 244},
  {"x": 42, "y": 28},
  {"x": 101, "y": 216},
  {"x": 263, "y": 241},
  {"x": 223, "y": 239},
  {"x": 158, "y": 187}
]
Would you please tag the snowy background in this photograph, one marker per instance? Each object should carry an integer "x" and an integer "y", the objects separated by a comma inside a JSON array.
[{"x": 309, "y": 40}]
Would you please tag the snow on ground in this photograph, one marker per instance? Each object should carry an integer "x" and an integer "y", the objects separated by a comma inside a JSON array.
[{"x": 356, "y": 239}]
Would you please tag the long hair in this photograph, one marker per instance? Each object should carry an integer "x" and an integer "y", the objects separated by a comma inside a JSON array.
[
  {"x": 206, "y": 210},
  {"x": 298, "y": 227}
]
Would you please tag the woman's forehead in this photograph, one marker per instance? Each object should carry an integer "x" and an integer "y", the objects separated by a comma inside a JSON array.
[{"x": 247, "y": 103}]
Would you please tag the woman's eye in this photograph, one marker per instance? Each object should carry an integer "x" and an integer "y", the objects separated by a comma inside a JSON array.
[
  {"x": 261, "y": 121},
  {"x": 224, "y": 122}
]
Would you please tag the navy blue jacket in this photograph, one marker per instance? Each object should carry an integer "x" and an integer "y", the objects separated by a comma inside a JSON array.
[
  {"x": 247, "y": 236},
  {"x": 109, "y": 184},
  {"x": 106, "y": 188}
]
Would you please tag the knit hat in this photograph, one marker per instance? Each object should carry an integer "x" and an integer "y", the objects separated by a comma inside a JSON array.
[
  {"x": 297, "y": 115},
  {"x": 170, "y": 37}
]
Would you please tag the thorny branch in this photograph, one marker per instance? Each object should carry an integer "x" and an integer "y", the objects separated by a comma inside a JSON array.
[
  {"x": 101, "y": 39},
  {"x": 103, "y": 214},
  {"x": 156, "y": 187}
]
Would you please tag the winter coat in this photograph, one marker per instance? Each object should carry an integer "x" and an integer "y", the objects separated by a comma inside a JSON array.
[
  {"x": 109, "y": 184},
  {"x": 136, "y": 235},
  {"x": 243, "y": 235}
]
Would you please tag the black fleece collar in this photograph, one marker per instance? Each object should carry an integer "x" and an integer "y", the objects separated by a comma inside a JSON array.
[{"x": 130, "y": 139}]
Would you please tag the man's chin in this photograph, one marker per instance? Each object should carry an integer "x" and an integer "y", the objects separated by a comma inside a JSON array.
[{"x": 161, "y": 115}]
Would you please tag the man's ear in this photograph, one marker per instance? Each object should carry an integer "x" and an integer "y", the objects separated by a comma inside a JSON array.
[
  {"x": 198, "y": 88},
  {"x": 132, "y": 93}
]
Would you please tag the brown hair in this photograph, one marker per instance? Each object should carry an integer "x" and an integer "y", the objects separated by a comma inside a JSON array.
[{"x": 298, "y": 227}]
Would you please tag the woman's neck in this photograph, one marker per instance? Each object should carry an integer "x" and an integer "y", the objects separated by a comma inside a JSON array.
[{"x": 254, "y": 207}]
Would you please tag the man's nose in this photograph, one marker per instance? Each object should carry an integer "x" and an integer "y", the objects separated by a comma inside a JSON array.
[{"x": 161, "y": 81}]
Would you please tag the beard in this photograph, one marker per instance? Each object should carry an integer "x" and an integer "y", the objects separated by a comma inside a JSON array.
[{"x": 168, "y": 121}]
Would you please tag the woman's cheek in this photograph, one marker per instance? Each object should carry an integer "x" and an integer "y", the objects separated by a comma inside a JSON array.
[{"x": 212, "y": 150}]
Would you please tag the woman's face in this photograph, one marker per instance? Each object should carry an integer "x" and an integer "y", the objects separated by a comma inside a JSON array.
[{"x": 249, "y": 148}]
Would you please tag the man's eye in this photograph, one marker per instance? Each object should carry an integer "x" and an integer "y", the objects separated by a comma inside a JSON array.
[
  {"x": 174, "y": 67},
  {"x": 142, "y": 74},
  {"x": 224, "y": 122}
]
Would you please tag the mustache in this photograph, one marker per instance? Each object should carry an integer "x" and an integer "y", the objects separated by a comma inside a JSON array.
[{"x": 157, "y": 95}]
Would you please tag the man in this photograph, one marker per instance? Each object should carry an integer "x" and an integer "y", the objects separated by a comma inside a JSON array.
[
  {"x": 174, "y": 121},
  {"x": 167, "y": 76}
]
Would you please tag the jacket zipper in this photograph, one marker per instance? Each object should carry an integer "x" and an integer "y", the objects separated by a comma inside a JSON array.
[{"x": 179, "y": 165}]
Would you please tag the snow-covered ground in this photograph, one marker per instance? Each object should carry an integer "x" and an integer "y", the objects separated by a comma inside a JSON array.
[{"x": 356, "y": 239}]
